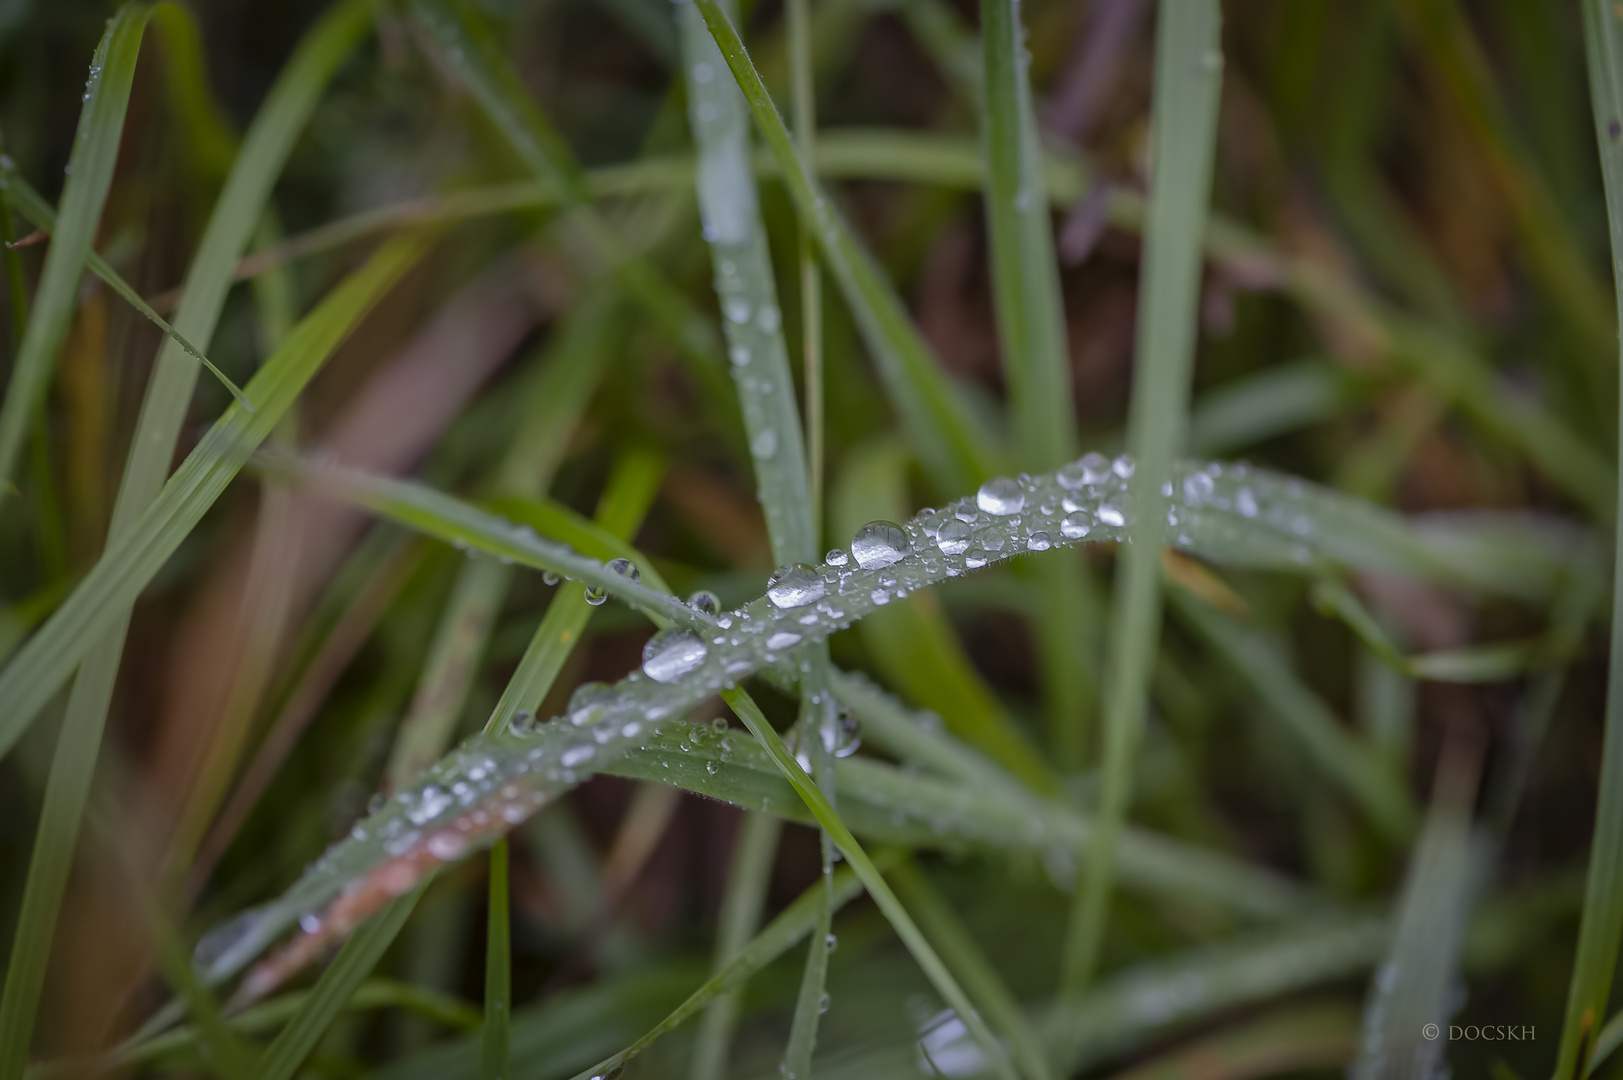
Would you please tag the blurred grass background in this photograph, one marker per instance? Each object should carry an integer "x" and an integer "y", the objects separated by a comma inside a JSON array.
[{"x": 1404, "y": 297}]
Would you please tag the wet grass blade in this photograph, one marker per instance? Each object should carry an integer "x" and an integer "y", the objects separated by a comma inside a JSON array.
[
  {"x": 949, "y": 440},
  {"x": 494, "y": 1063},
  {"x": 33, "y": 206},
  {"x": 1601, "y": 930},
  {"x": 90, "y": 176},
  {"x": 38, "y": 669},
  {"x": 1188, "y": 75}
]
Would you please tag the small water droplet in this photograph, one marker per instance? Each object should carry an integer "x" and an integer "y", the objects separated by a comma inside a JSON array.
[
  {"x": 765, "y": 444},
  {"x": 1038, "y": 541},
  {"x": 783, "y": 639},
  {"x": 836, "y": 557},
  {"x": 706, "y": 601},
  {"x": 1076, "y": 526}
]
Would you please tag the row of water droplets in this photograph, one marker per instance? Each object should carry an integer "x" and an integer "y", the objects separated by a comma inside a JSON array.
[{"x": 512, "y": 774}]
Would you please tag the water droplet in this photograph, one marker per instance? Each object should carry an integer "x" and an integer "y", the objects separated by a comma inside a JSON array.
[
  {"x": 702, "y": 73},
  {"x": 878, "y": 544},
  {"x": 737, "y": 310},
  {"x": 1114, "y": 511},
  {"x": 739, "y": 355},
  {"x": 795, "y": 585},
  {"x": 848, "y": 735},
  {"x": 446, "y": 845},
  {"x": 783, "y": 639},
  {"x": 1075, "y": 527},
  {"x": 833, "y": 943},
  {"x": 967, "y": 513},
  {"x": 824, "y": 1002},
  {"x": 521, "y": 722},
  {"x": 576, "y": 755},
  {"x": 1038, "y": 541},
  {"x": 1245, "y": 503},
  {"x": 1095, "y": 468},
  {"x": 952, "y": 537},
  {"x": 587, "y": 697},
  {"x": 1001, "y": 496},
  {"x": 1071, "y": 475},
  {"x": 765, "y": 444},
  {"x": 706, "y": 601},
  {"x": 1122, "y": 466},
  {"x": 550, "y": 577},
  {"x": 1198, "y": 487},
  {"x": 671, "y": 654},
  {"x": 836, "y": 557},
  {"x": 880, "y": 597},
  {"x": 991, "y": 538},
  {"x": 769, "y": 320},
  {"x": 974, "y": 558}
]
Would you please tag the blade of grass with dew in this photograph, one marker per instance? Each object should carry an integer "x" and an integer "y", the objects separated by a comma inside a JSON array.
[
  {"x": 1410, "y": 994},
  {"x": 872, "y": 880},
  {"x": 970, "y": 964},
  {"x": 743, "y": 276},
  {"x": 469, "y": 47},
  {"x": 624, "y": 503},
  {"x": 153, "y": 446},
  {"x": 1188, "y": 75},
  {"x": 1351, "y": 764},
  {"x": 494, "y": 1062},
  {"x": 38, "y": 669},
  {"x": 1600, "y": 931},
  {"x": 89, "y": 178},
  {"x": 33, "y": 206},
  {"x": 1036, "y": 363},
  {"x": 957, "y": 453}
]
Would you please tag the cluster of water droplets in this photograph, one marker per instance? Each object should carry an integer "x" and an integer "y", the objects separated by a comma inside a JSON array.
[{"x": 496, "y": 780}]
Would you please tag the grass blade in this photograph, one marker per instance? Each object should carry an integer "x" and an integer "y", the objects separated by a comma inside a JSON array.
[
  {"x": 1601, "y": 929},
  {"x": 498, "y": 971},
  {"x": 38, "y": 669},
  {"x": 801, "y": 76},
  {"x": 90, "y": 176},
  {"x": 1188, "y": 67},
  {"x": 951, "y": 444}
]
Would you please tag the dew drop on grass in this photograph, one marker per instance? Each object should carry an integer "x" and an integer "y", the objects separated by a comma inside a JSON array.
[
  {"x": 783, "y": 639},
  {"x": 550, "y": 577},
  {"x": 1001, "y": 496},
  {"x": 1038, "y": 541},
  {"x": 836, "y": 557},
  {"x": 1198, "y": 487},
  {"x": 795, "y": 585},
  {"x": 1113, "y": 512},
  {"x": 705, "y": 601},
  {"x": 671, "y": 654},
  {"x": 952, "y": 537},
  {"x": 1075, "y": 527},
  {"x": 1072, "y": 475},
  {"x": 879, "y": 544},
  {"x": 765, "y": 444},
  {"x": 587, "y": 697},
  {"x": 1122, "y": 467}
]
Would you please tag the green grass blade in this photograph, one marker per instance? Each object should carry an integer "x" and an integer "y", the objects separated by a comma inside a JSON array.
[
  {"x": 90, "y": 176},
  {"x": 872, "y": 880},
  {"x": 1188, "y": 75},
  {"x": 1600, "y": 931},
  {"x": 38, "y": 669},
  {"x": 802, "y": 78},
  {"x": 33, "y": 206},
  {"x": 494, "y": 1063},
  {"x": 354, "y": 962},
  {"x": 747, "y": 880},
  {"x": 949, "y": 441},
  {"x": 1036, "y": 362},
  {"x": 970, "y": 964}
]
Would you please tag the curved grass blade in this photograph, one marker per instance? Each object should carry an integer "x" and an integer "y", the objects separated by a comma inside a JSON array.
[
  {"x": 951, "y": 444},
  {"x": 38, "y": 669},
  {"x": 90, "y": 176},
  {"x": 1600, "y": 931},
  {"x": 1188, "y": 65},
  {"x": 33, "y": 206},
  {"x": 494, "y": 1063}
]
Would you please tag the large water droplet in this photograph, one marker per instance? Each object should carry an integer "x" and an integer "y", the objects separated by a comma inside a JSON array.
[
  {"x": 795, "y": 585},
  {"x": 952, "y": 537},
  {"x": 878, "y": 544},
  {"x": 1001, "y": 496},
  {"x": 671, "y": 654}
]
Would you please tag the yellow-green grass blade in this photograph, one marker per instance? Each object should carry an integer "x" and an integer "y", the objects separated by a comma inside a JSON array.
[
  {"x": 1188, "y": 75},
  {"x": 971, "y": 965},
  {"x": 872, "y": 881},
  {"x": 1600, "y": 932},
  {"x": 948, "y": 439},
  {"x": 38, "y": 669},
  {"x": 802, "y": 78},
  {"x": 33, "y": 206},
  {"x": 90, "y": 176}
]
